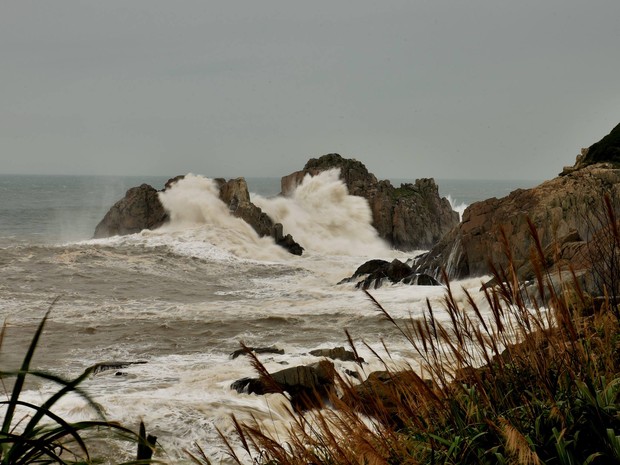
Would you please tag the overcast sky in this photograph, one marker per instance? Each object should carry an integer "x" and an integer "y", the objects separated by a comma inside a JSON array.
[{"x": 460, "y": 89}]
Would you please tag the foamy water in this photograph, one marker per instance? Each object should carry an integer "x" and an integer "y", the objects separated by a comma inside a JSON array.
[{"x": 183, "y": 297}]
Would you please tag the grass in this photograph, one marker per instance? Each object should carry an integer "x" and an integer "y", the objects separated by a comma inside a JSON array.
[
  {"x": 530, "y": 375},
  {"x": 33, "y": 433}
]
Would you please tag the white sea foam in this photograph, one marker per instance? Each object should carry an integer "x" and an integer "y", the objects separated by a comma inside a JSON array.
[
  {"x": 323, "y": 217},
  {"x": 200, "y": 222},
  {"x": 457, "y": 207},
  {"x": 183, "y": 297}
]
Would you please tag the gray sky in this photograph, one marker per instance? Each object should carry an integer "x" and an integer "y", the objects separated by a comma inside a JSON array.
[{"x": 446, "y": 89}]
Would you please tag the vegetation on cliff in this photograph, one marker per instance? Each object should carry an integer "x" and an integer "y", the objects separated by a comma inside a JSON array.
[{"x": 605, "y": 150}]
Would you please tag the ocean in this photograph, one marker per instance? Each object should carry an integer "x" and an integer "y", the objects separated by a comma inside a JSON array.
[{"x": 182, "y": 298}]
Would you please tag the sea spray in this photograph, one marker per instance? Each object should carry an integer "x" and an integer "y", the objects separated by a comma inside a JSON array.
[
  {"x": 199, "y": 220},
  {"x": 323, "y": 217},
  {"x": 457, "y": 207}
]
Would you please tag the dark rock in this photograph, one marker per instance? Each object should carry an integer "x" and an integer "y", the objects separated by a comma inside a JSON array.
[
  {"x": 412, "y": 216},
  {"x": 308, "y": 386},
  {"x": 371, "y": 266},
  {"x": 139, "y": 209},
  {"x": 378, "y": 271},
  {"x": 236, "y": 195},
  {"x": 172, "y": 181},
  {"x": 421, "y": 279},
  {"x": 249, "y": 386},
  {"x": 289, "y": 244},
  {"x": 257, "y": 350},
  {"x": 106, "y": 366},
  {"x": 337, "y": 353},
  {"x": 607, "y": 150},
  {"x": 353, "y": 374}
]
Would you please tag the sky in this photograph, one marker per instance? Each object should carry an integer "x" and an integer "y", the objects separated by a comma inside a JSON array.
[{"x": 446, "y": 89}]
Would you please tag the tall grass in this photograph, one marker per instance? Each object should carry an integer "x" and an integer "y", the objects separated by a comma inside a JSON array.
[
  {"x": 33, "y": 433},
  {"x": 528, "y": 375}
]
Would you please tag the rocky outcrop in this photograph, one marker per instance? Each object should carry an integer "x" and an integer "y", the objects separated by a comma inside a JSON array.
[
  {"x": 308, "y": 385},
  {"x": 256, "y": 350},
  {"x": 376, "y": 272},
  {"x": 139, "y": 209},
  {"x": 569, "y": 204},
  {"x": 236, "y": 195},
  {"x": 412, "y": 216},
  {"x": 338, "y": 353}
]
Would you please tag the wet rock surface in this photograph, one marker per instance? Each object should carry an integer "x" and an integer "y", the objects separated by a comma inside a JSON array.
[
  {"x": 308, "y": 386},
  {"x": 374, "y": 273},
  {"x": 139, "y": 209},
  {"x": 412, "y": 216}
]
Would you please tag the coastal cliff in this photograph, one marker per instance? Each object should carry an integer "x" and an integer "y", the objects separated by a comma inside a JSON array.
[{"x": 566, "y": 211}]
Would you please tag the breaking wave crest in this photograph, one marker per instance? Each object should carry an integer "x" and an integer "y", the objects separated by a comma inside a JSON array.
[
  {"x": 457, "y": 207},
  {"x": 320, "y": 215},
  {"x": 323, "y": 217}
]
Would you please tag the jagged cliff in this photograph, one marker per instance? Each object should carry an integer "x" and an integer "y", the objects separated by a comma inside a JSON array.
[
  {"x": 567, "y": 212},
  {"x": 412, "y": 216}
]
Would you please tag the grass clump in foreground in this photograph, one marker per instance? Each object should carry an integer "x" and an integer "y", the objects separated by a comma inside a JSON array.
[
  {"x": 525, "y": 377},
  {"x": 34, "y": 434}
]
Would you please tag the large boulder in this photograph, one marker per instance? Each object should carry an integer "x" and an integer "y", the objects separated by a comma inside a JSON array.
[
  {"x": 412, "y": 216},
  {"x": 307, "y": 385},
  {"x": 139, "y": 209},
  {"x": 570, "y": 205},
  {"x": 374, "y": 273}
]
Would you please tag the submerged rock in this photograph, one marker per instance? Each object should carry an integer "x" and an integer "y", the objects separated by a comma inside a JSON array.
[
  {"x": 412, "y": 216},
  {"x": 107, "y": 366},
  {"x": 257, "y": 350}
]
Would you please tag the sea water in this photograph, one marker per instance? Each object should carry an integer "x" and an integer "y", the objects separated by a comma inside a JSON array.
[{"x": 182, "y": 298}]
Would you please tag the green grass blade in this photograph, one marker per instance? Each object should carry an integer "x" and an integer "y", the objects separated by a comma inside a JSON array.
[{"x": 19, "y": 382}]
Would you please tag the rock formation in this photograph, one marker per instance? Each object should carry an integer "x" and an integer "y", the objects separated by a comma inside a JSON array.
[
  {"x": 338, "y": 353},
  {"x": 236, "y": 195},
  {"x": 410, "y": 217},
  {"x": 309, "y": 386},
  {"x": 374, "y": 273},
  {"x": 139, "y": 209},
  {"x": 562, "y": 210}
]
